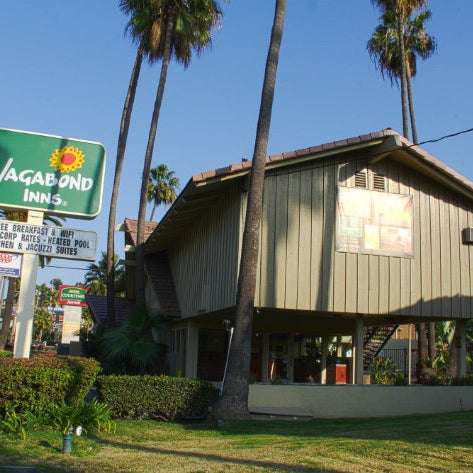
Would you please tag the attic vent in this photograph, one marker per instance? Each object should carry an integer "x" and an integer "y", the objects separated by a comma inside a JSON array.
[
  {"x": 360, "y": 179},
  {"x": 379, "y": 182}
]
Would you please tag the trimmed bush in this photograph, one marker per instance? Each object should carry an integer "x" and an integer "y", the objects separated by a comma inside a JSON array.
[
  {"x": 31, "y": 384},
  {"x": 136, "y": 397}
]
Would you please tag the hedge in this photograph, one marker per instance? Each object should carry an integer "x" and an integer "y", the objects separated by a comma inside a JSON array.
[
  {"x": 31, "y": 384},
  {"x": 139, "y": 396}
]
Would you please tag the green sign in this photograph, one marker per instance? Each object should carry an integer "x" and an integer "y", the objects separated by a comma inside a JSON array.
[
  {"x": 72, "y": 295},
  {"x": 51, "y": 174}
]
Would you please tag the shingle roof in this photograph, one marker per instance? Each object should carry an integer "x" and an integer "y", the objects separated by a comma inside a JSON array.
[
  {"x": 401, "y": 143},
  {"x": 131, "y": 227},
  {"x": 98, "y": 307},
  {"x": 159, "y": 274}
]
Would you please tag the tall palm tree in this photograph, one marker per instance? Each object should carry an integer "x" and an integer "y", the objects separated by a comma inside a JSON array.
[
  {"x": 162, "y": 187},
  {"x": 401, "y": 11},
  {"x": 141, "y": 27},
  {"x": 383, "y": 48},
  {"x": 234, "y": 400},
  {"x": 181, "y": 27}
]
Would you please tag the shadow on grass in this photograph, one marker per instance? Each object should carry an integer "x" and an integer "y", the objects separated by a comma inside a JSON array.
[
  {"x": 218, "y": 460},
  {"x": 453, "y": 429}
]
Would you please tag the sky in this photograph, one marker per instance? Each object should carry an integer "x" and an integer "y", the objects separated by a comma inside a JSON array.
[{"x": 65, "y": 68}]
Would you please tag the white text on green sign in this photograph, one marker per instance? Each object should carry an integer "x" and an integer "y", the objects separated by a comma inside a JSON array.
[{"x": 49, "y": 173}]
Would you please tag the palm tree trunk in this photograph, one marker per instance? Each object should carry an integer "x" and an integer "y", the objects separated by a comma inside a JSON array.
[
  {"x": 431, "y": 349},
  {"x": 234, "y": 401},
  {"x": 8, "y": 312},
  {"x": 422, "y": 352},
  {"x": 152, "y": 211},
  {"x": 122, "y": 139},
  {"x": 410, "y": 97},
  {"x": 402, "y": 55},
  {"x": 140, "y": 236}
]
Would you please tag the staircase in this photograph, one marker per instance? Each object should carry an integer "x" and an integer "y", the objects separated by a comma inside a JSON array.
[{"x": 374, "y": 340}]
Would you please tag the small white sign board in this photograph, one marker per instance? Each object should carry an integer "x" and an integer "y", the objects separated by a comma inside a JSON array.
[
  {"x": 55, "y": 242},
  {"x": 10, "y": 265},
  {"x": 71, "y": 324}
]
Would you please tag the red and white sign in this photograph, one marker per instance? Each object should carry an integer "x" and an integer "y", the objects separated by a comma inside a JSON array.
[{"x": 10, "y": 265}]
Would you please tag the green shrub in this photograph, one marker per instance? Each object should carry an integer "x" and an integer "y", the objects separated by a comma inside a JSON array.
[
  {"x": 60, "y": 417},
  {"x": 465, "y": 381},
  {"x": 136, "y": 397},
  {"x": 383, "y": 371},
  {"x": 89, "y": 415},
  {"x": 31, "y": 384}
]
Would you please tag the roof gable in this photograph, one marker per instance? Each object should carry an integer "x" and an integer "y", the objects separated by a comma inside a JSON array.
[{"x": 202, "y": 188}]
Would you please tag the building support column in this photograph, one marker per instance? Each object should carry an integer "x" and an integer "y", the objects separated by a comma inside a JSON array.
[
  {"x": 290, "y": 358},
  {"x": 460, "y": 347},
  {"x": 357, "y": 374},
  {"x": 323, "y": 360},
  {"x": 192, "y": 350},
  {"x": 265, "y": 358}
]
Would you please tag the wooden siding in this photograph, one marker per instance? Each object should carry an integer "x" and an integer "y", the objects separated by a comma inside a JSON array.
[
  {"x": 300, "y": 269},
  {"x": 204, "y": 260}
]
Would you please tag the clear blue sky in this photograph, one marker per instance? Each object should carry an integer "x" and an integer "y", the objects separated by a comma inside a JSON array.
[{"x": 65, "y": 67}]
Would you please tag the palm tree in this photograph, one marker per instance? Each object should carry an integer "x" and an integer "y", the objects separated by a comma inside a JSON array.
[
  {"x": 161, "y": 187},
  {"x": 181, "y": 27},
  {"x": 384, "y": 50},
  {"x": 234, "y": 400},
  {"x": 140, "y": 27},
  {"x": 132, "y": 347},
  {"x": 401, "y": 11},
  {"x": 96, "y": 275}
]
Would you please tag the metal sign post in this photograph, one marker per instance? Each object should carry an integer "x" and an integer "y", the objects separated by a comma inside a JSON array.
[{"x": 24, "y": 320}]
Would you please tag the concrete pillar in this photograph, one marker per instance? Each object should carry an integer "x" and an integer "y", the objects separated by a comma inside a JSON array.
[
  {"x": 192, "y": 350},
  {"x": 24, "y": 319},
  {"x": 358, "y": 351},
  {"x": 460, "y": 345},
  {"x": 290, "y": 358},
  {"x": 323, "y": 360},
  {"x": 265, "y": 357}
]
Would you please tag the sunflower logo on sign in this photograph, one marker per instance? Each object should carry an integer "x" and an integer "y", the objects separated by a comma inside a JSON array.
[{"x": 67, "y": 159}]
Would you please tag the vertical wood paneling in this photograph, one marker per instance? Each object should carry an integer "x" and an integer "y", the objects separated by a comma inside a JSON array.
[
  {"x": 305, "y": 242},
  {"x": 317, "y": 237},
  {"x": 267, "y": 281},
  {"x": 299, "y": 267},
  {"x": 339, "y": 259},
  {"x": 405, "y": 263},
  {"x": 415, "y": 263},
  {"x": 204, "y": 260},
  {"x": 465, "y": 270},
  {"x": 293, "y": 227},
  {"x": 455, "y": 241},
  {"x": 436, "y": 294},
  {"x": 281, "y": 240},
  {"x": 394, "y": 262},
  {"x": 424, "y": 249},
  {"x": 330, "y": 179},
  {"x": 353, "y": 276},
  {"x": 445, "y": 256}
]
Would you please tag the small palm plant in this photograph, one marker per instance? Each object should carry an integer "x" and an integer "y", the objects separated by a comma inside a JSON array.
[{"x": 132, "y": 346}]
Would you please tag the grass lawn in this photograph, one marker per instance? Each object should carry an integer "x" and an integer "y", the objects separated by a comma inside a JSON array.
[{"x": 433, "y": 443}]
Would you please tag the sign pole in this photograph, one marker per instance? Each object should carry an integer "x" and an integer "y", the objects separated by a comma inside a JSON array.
[{"x": 26, "y": 302}]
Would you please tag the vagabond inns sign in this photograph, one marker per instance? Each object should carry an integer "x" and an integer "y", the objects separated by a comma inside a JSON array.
[{"x": 51, "y": 174}]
